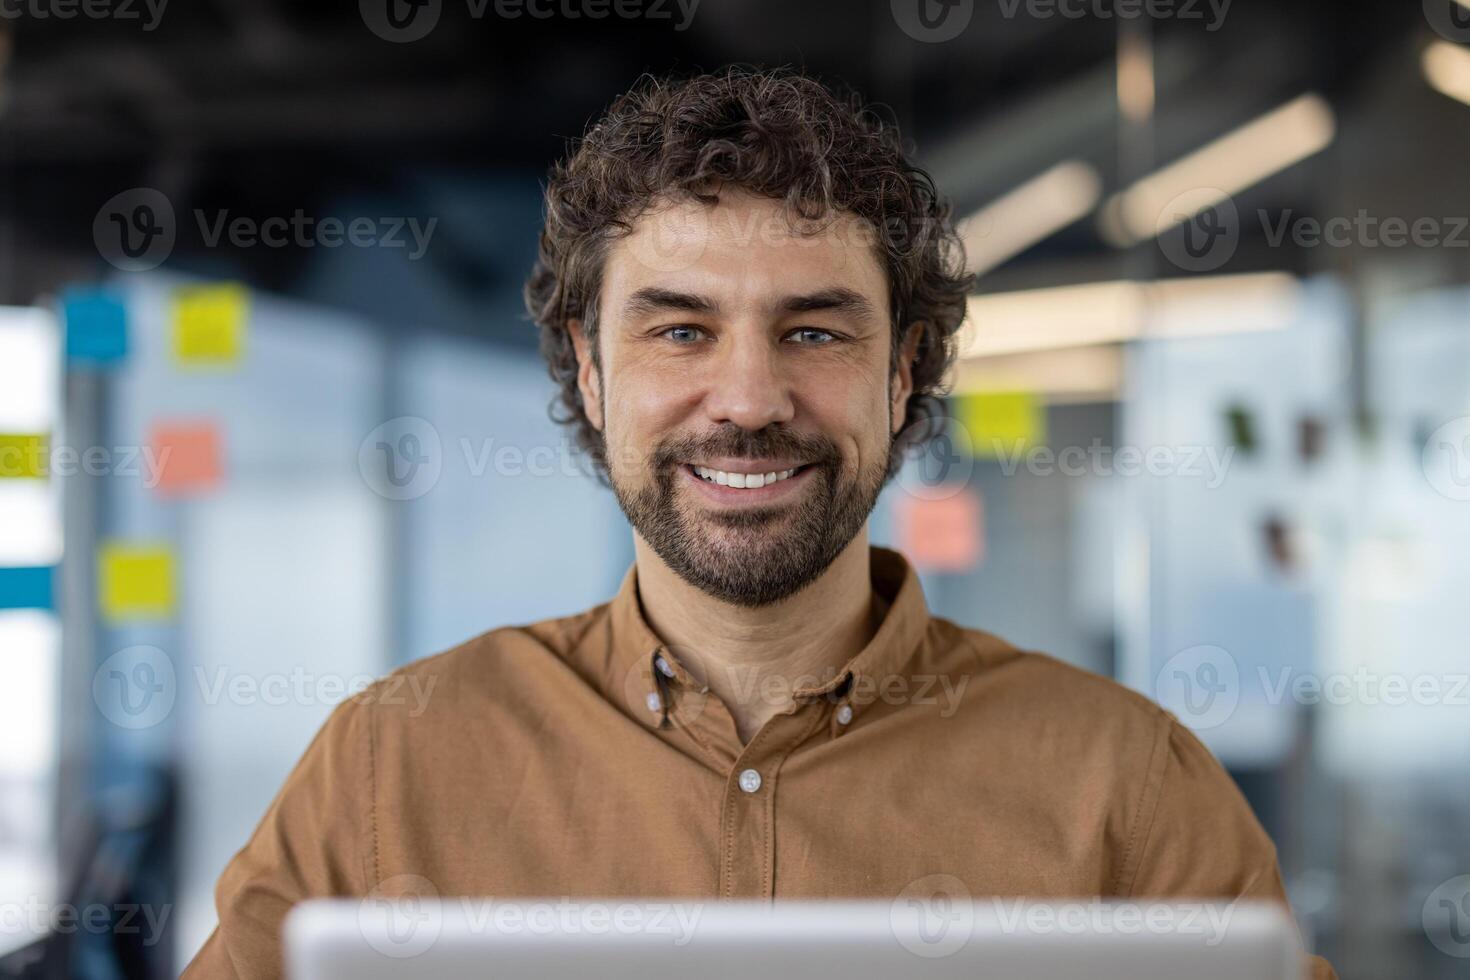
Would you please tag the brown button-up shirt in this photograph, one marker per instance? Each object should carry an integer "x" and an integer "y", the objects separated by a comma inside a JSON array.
[{"x": 577, "y": 757}]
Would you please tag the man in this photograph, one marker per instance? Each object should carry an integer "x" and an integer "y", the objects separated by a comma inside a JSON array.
[{"x": 748, "y": 297}]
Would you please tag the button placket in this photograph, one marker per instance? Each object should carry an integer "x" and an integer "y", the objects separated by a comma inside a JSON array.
[{"x": 748, "y": 816}]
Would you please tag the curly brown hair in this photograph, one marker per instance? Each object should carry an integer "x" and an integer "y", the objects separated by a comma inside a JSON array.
[{"x": 775, "y": 133}]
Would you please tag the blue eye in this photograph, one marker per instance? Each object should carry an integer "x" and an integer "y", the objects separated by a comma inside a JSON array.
[
  {"x": 826, "y": 337},
  {"x": 687, "y": 329}
]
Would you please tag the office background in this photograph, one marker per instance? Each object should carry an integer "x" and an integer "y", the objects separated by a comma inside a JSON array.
[{"x": 272, "y": 419}]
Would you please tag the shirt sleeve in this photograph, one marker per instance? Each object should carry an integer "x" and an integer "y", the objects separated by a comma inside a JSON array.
[
  {"x": 315, "y": 840},
  {"x": 1198, "y": 837}
]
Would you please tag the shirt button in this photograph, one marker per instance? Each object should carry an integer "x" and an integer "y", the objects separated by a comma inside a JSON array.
[
  {"x": 654, "y": 702},
  {"x": 663, "y": 667},
  {"x": 750, "y": 780},
  {"x": 844, "y": 714}
]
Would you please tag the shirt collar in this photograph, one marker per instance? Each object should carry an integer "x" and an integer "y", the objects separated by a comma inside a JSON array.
[{"x": 635, "y": 645}]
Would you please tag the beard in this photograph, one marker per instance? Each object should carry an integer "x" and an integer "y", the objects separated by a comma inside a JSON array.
[{"x": 752, "y": 556}]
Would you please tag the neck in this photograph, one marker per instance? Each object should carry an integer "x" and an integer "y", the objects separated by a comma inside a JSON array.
[{"x": 753, "y": 658}]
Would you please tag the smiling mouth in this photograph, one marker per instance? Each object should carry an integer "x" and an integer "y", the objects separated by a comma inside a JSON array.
[{"x": 744, "y": 481}]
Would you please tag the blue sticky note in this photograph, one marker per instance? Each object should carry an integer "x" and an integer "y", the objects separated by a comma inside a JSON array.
[
  {"x": 96, "y": 327},
  {"x": 27, "y": 588}
]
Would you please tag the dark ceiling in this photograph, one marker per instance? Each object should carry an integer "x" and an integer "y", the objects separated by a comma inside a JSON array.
[{"x": 265, "y": 105}]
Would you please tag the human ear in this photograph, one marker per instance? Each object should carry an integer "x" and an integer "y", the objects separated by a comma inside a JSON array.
[
  {"x": 589, "y": 378},
  {"x": 903, "y": 375}
]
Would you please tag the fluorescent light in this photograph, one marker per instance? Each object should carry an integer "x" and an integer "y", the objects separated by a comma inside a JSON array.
[
  {"x": 30, "y": 346},
  {"x": 1036, "y": 209},
  {"x": 1237, "y": 160},
  {"x": 1135, "y": 78},
  {"x": 1068, "y": 374},
  {"x": 1113, "y": 312},
  {"x": 1447, "y": 68}
]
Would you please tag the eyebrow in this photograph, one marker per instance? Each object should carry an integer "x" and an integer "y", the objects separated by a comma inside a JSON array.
[
  {"x": 839, "y": 299},
  {"x": 651, "y": 299}
]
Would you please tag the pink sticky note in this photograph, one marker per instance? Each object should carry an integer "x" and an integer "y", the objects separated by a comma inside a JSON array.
[
  {"x": 187, "y": 456},
  {"x": 942, "y": 535}
]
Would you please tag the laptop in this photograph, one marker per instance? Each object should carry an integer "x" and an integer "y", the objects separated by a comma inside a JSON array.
[{"x": 575, "y": 938}]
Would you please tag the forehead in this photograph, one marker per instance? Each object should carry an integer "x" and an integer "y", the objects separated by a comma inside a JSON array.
[{"x": 743, "y": 250}]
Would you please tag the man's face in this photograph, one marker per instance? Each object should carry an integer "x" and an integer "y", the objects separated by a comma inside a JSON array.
[{"x": 744, "y": 393}]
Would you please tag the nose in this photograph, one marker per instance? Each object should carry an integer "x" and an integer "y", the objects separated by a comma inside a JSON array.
[{"x": 747, "y": 387}]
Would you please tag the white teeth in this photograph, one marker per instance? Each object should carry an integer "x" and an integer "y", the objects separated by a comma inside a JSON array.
[{"x": 743, "y": 481}]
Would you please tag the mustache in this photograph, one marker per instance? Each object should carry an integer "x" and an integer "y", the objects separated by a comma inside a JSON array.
[{"x": 809, "y": 448}]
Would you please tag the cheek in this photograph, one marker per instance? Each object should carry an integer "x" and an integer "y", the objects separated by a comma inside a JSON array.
[
  {"x": 644, "y": 407},
  {"x": 855, "y": 415}
]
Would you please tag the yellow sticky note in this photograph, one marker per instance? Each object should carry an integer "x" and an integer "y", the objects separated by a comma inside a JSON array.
[
  {"x": 209, "y": 323},
  {"x": 1001, "y": 423},
  {"x": 24, "y": 456},
  {"x": 136, "y": 582}
]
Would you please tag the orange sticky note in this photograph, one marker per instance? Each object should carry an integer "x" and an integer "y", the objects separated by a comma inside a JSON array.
[
  {"x": 188, "y": 456},
  {"x": 135, "y": 582},
  {"x": 942, "y": 535}
]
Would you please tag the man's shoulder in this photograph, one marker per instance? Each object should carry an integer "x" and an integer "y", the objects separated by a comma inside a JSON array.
[
  {"x": 1042, "y": 692},
  {"x": 517, "y": 660}
]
